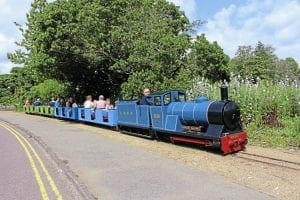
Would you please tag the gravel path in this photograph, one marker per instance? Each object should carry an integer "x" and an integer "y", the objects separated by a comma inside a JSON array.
[
  {"x": 279, "y": 182},
  {"x": 129, "y": 170}
]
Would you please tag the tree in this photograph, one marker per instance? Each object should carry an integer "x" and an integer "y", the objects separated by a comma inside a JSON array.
[
  {"x": 97, "y": 45},
  {"x": 152, "y": 43},
  {"x": 255, "y": 62},
  {"x": 208, "y": 60},
  {"x": 15, "y": 86},
  {"x": 48, "y": 89},
  {"x": 287, "y": 70}
]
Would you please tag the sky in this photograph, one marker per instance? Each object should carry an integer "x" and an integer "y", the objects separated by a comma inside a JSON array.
[{"x": 229, "y": 22}]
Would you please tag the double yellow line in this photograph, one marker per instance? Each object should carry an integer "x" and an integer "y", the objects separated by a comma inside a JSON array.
[{"x": 30, "y": 152}]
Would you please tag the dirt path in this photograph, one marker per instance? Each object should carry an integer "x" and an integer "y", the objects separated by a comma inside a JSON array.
[{"x": 278, "y": 181}]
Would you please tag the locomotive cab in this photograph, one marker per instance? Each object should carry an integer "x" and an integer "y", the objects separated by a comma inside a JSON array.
[{"x": 165, "y": 98}]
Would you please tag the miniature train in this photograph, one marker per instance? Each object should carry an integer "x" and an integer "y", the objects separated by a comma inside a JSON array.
[{"x": 213, "y": 124}]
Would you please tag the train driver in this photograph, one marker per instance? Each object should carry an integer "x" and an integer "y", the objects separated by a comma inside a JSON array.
[{"x": 146, "y": 98}]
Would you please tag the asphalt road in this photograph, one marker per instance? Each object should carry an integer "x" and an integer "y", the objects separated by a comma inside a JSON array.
[
  {"x": 27, "y": 172},
  {"x": 112, "y": 169}
]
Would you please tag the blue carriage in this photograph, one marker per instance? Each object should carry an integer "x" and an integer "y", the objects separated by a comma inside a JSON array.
[
  {"x": 66, "y": 113},
  {"x": 98, "y": 116}
]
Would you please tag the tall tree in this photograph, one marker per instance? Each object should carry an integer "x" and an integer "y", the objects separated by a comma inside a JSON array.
[
  {"x": 98, "y": 45},
  {"x": 152, "y": 39},
  {"x": 259, "y": 61},
  {"x": 287, "y": 70},
  {"x": 208, "y": 60}
]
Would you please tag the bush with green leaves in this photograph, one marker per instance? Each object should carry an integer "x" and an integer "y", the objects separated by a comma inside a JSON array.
[
  {"x": 270, "y": 112},
  {"x": 48, "y": 89}
]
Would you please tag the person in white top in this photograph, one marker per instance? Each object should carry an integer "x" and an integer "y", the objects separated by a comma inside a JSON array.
[
  {"x": 108, "y": 104},
  {"x": 88, "y": 102}
]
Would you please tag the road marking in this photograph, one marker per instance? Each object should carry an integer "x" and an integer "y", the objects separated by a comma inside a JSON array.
[
  {"x": 34, "y": 168},
  {"x": 49, "y": 178}
]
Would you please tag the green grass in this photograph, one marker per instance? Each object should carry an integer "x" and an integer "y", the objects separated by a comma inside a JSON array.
[{"x": 286, "y": 136}]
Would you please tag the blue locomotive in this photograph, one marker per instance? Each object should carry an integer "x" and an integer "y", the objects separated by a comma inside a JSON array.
[
  {"x": 214, "y": 124},
  {"x": 208, "y": 123}
]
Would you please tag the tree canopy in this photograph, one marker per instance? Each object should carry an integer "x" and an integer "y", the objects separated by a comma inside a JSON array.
[
  {"x": 118, "y": 47},
  {"x": 259, "y": 61},
  {"x": 97, "y": 45},
  {"x": 208, "y": 60}
]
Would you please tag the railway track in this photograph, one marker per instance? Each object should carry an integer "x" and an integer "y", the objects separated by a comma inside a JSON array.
[{"x": 271, "y": 161}]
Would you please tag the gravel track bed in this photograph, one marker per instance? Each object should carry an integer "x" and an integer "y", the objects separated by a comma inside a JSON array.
[{"x": 274, "y": 180}]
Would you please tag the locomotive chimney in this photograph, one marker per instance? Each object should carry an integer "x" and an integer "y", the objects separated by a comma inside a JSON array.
[{"x": 224, "y": 91}]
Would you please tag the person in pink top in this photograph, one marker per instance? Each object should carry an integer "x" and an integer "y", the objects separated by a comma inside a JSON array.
[{"x": 101, "y": 103}]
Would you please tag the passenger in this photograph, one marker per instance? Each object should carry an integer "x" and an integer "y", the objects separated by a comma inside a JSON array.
[
  {"x": 71, "y": 103},
  {"x": 74, "y": 104},
  {"x": 52, "y": 102},
  {"x": 108, "y": 104},
  {"x": 101, "y": 103},
  {"x": 57, "y": 102},
  {"x": 88, "y": 102},
  {"x": 62, "y": 102},
  {"x": 37, "y": 102},
  {"x": 95, "y": 103},
  {"x": 68, "y": 104},
  {"x": 146, "y": 98},
  {"x": 27, "y": 102}
]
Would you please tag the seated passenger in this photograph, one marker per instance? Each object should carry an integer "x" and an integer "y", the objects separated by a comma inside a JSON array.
[
  {"x": 27, "y": 102},
  {"x": 68, "y": 104},
  {"x": 52, "y": 102},
  {"x": 37, "y": 102},
  {"x": 57, "y": 102},
  {"x": 146, "y": 98},
  {"x": 88, "y": 102},
  {"x": 71, "y": 103},
  {"x": 74, "y": 104},
  {"x": 62, "y": 102},
  {"x": 108, "y": 104},
  {"x": 101, "y": 104}
]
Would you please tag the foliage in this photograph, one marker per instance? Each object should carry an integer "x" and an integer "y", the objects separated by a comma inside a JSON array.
[
  {"x": 287, "y": 70},
  {"x": 14, "y": 86},
  {"x": 152, "y": 50},
  {"x": 258, "y": 102},
  {"x": 208, "y": 60},
  {"x": 255, "y": 62},
  {"x": 285, "y": 136},
  {"x": 48, "y": 89},
  {"x": 6, "y": 89},
  {"x": 103, "y": 42}
]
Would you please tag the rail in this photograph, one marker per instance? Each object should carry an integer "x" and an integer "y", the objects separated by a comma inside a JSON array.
[{"x": 271, "y": 161}]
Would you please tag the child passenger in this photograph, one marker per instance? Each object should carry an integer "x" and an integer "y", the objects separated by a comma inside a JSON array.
[{"x": 108, "y": 104}]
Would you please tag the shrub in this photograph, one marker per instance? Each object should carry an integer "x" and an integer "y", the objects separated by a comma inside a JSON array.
[
  {"x": 266, "y": 108},
  {"x": 47, "y": 89}
]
